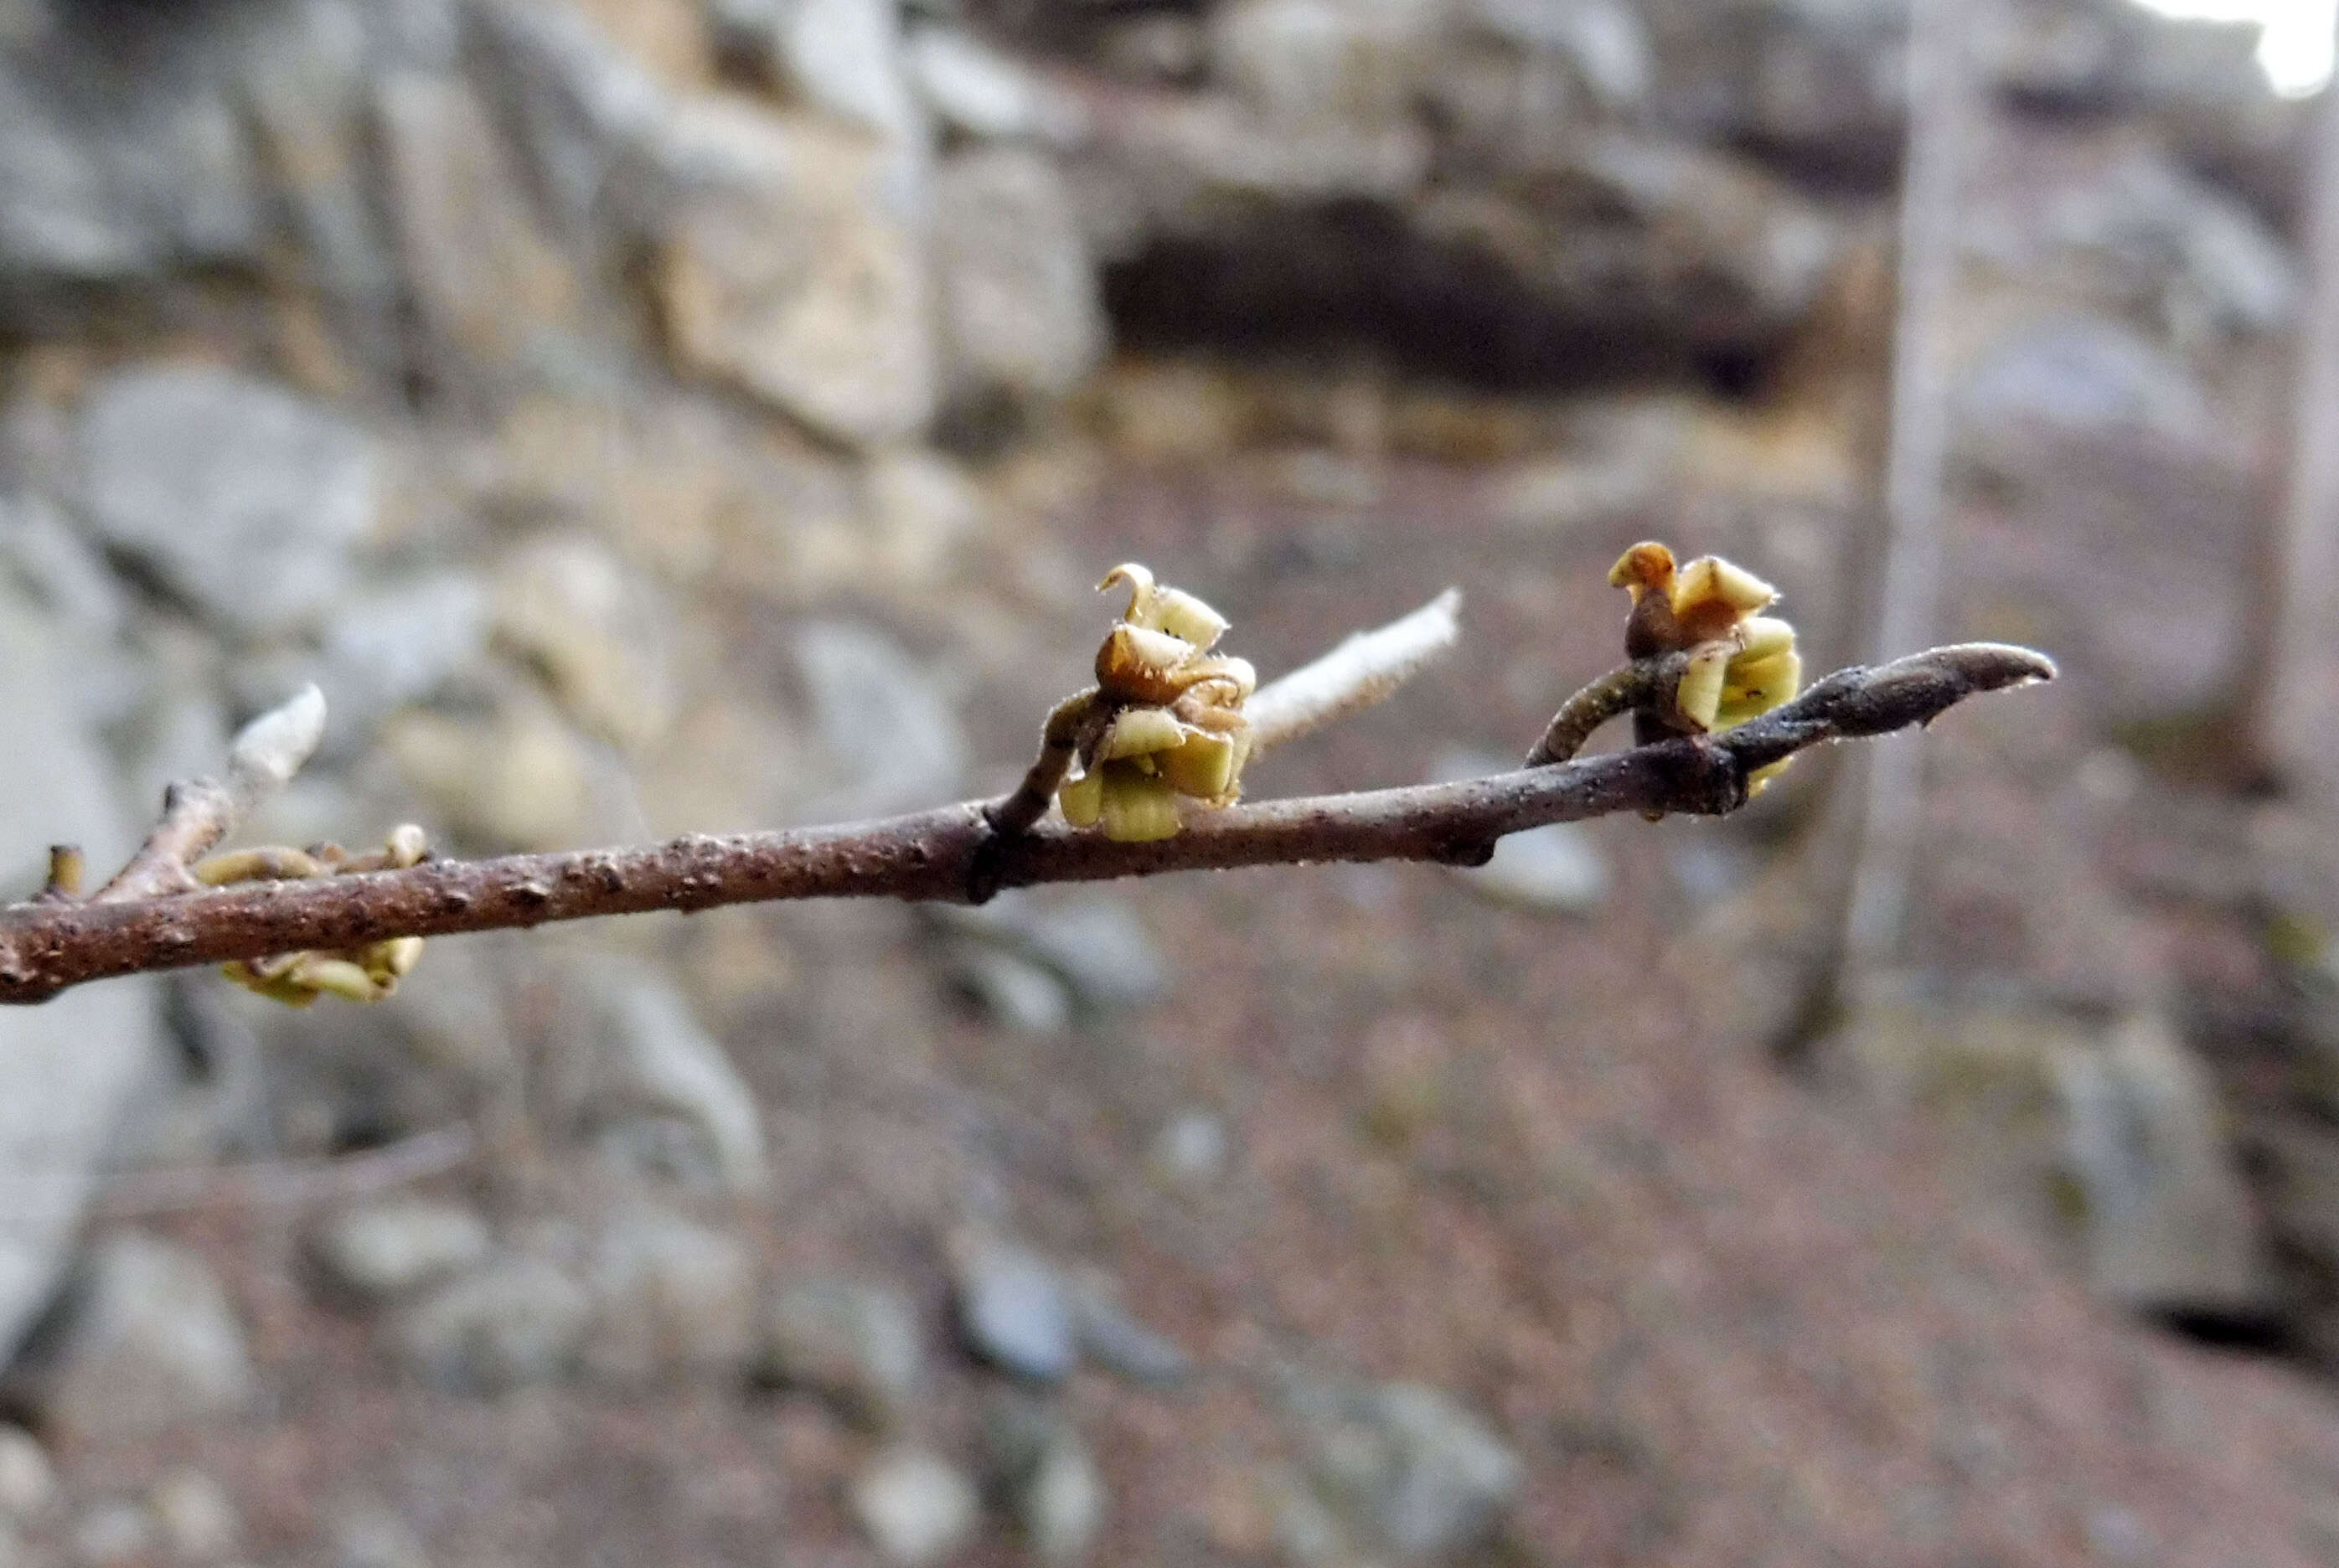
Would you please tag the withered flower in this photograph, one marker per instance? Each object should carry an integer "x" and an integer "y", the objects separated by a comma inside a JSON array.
[
  {"x": 1741, "y": 663},
  {"x": 1165, "y": 718}
]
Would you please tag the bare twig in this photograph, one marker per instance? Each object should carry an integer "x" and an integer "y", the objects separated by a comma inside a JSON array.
[
  {"x": 1360, "y": 671},
  {"x": 199, "y": 813},
  {"x": 1613, "y": 696},
  {"x": 289, "y": 1183},
  {"x": 953, "y": 854},
  {"x": 1067, "y": 730}
]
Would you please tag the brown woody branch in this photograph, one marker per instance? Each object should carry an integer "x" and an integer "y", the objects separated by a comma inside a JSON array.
[{"x": 953, "y": 854}]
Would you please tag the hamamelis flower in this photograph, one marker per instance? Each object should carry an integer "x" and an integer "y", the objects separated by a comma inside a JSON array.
[
  {"x": 367, "y": 974},
  {"x": 1741, "y": 662},
  {"x": 1165, "y": 718}
]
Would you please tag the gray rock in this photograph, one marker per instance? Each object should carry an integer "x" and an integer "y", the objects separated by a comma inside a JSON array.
[
  {"x": 859, "y": 1344},
  {"x": 397, "y": 643},
  {"x": 1407, "y": 1470},
  {"x": 1015, "y": 1311},
  {"x": 374, "y": 1537},
  {"x": 844, "y": 57},
  {"x": 977, "y": 91},
  {"x": 111, "y": 170},
  {"x": 150, "y": 1341},
  {"x": 638, "y": 1073},
  {"x": 916, "y": 1507},
  {"x": 1628, "y": 233},
  {"x": 518, "y": 1321},
  {"x": 28, "y": 1482},
  {"x": 1324, "y": 60},
  {"x": 2169, "y": 1225},
  {"x": 595, "y": 630},
  {"x": 581, "y": 109},
  {"x": 302, "y": 77},
  {"x": 790, "y": 264},
  {"x": 671, "y": 1297},
  {"x": 116, "y": 1530},
  {"x": 1051, "y": 1479},
  {"x": 58, "y": 567},
  {"x": 2081, "y": 375},
  {"x": 400, "y": 1244},
  {"x": 69, "y": 1069},
  {"x": 1604, "y": 42},
  {"x": 198, "y": 1519},
  {"x": 239, "y": 496},
  {"x": 1012, "y": 990},
  {"x": 1108, "y": 1337},
  {"x": 2156, "y": 232},
  {"x": 1189, "y": 1150},
  {"x": 1556, "y": 868},
  {"x": 891, "y": 731},
  {"x": 920, "y": 507},
  {"x": 1095, "y": 943},
  {"x": 511, "y": 773},
  {"x": 490, "y": 291},
  {"x": 1021, "y": 311}
]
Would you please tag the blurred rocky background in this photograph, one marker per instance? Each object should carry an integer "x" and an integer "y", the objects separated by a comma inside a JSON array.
[{"x": 644, "y": 416}]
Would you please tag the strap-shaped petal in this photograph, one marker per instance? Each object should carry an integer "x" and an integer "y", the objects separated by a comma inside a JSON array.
[
  {"x": 1082, "y": 799},
  {"x": 1202, "y": 766},
  {"x": 1699, "y": 697},
  {"x": 1139, "y": 808},
  {"x": 1135, "y": 731}
]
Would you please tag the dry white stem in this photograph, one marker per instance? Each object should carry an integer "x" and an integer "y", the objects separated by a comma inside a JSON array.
[
  {"x": 289, "y": 1183},
  {"x": 1360, "y": 671},
  {"x": 271, "y": 748}
]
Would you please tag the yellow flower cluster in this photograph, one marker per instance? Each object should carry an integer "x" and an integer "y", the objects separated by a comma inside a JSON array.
[
  {"x": 1741, "y": 662},
  {"x": 1172, "y": 720},
  {"x": 367, "y": 973}
]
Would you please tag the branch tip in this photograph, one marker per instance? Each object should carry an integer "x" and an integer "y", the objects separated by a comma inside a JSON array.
[{"x": 267, "y": 752}]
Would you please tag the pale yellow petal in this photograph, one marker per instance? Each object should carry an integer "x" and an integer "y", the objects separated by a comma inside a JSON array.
[
  {"x": 1182, "y": 614},
  {"x": 387, "y": 962},
  {"x": 1082, "y": 798},
  {"x": 1759, "y": 636},
  {"x": 1203, "y": 767},
  {"x": 1139, "y": 808},
  {"x": 1140, "y": 581},
  {"x": 338, "y": 976},
  {"x": 1775, "y": 678},
  {"x": 1700, "y": 693},
  {"x": 1137, "y": 730},
  {"x": 1710, "y": 578}
]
